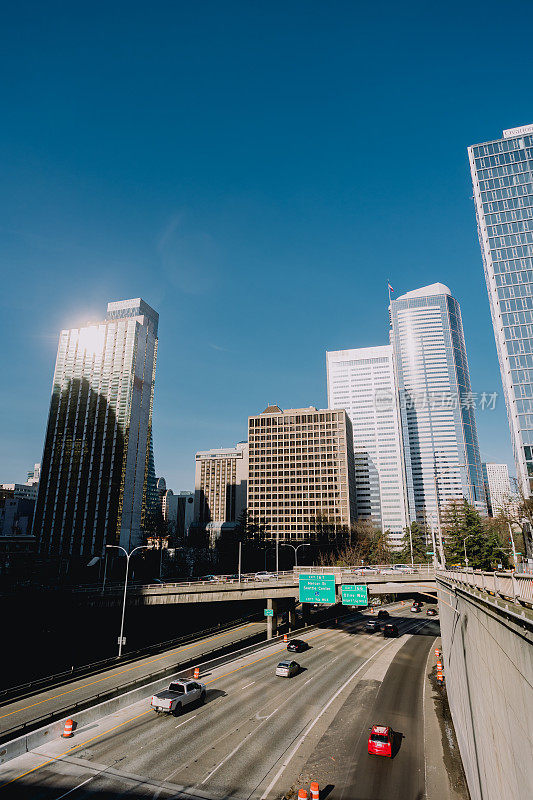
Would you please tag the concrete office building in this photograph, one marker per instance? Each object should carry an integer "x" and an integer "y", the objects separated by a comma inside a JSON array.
[
  {"x": 34, "y": 475},
  {"x": 497, "y": 488},
  {"x": 301, "y": 468},
  {"x": 94, "y": 487},
  {"x": 220, "y": 483},
  {"x": 362, "y": 381},
  {"x": 502, "y": 178},
  {"x": 441, "y": 450}
]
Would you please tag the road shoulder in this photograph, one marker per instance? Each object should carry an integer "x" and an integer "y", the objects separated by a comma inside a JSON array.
[{"x": 445, "y": 779}]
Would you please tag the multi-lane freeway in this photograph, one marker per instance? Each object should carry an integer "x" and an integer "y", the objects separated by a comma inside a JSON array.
[{"x": 258, "y": 736}]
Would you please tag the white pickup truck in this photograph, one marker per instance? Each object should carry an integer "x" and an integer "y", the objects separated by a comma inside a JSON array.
[{"x": 178, "y": 695}]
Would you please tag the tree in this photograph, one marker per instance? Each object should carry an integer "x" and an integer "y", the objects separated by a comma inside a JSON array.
[
  {"x": 417, "y": 535},
  {"x": 464, "y": 528}
]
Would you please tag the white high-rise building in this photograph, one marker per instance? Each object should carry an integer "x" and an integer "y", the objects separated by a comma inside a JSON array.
[
  {"x": 362, "y": 381},
  {"x": 436, "y": 403},
  {"x": 95, "y": 485},
  {"x": 497, "y": 487}
]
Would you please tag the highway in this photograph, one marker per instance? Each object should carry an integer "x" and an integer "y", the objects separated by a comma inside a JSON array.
[
  {"x": 47, "y": 702},
  {"x": 257, "y": 736}
]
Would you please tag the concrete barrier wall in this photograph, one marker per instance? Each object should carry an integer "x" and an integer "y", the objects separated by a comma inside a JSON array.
[{"x": 488, "y": 662}]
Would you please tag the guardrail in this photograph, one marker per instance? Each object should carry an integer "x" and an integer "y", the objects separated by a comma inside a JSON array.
[
  {"x": 207, "y": 659},
  {"x": 363, "y": 570},
  {"x": 83, "y": 670},
  {"x": 514, "y": 586}
]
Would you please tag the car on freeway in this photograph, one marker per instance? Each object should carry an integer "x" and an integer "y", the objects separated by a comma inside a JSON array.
[
  {"x": 264, "y": 576},
  {"x": 432, "y": 612},
  {"x": 388, "y": 571},
  {"x": 390, "y": 630},
  {"x": 404, "y": 568},
  {"x": 372, "y": 625},
  {"x": 380, "y": 740},
  {"x": 415, "y": 608},
  {"x": 210, "y": 578},
  {"x": 383, "y": 614},
  {"x": 178, "y": 695},
  {"x": 286, "y": 669},
  {"x": 297, "y": 646}
]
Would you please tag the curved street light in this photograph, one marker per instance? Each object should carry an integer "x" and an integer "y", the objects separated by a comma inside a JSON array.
[
  {"x": 128, "y": 556},
  {"x": 295, "y": 548}
]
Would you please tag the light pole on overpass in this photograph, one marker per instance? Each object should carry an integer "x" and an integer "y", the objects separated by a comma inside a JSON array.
[
  {"x": 128, "y": 556},
  {"x": 464, "y": 546},
  {"x": 295, "y": 548}
]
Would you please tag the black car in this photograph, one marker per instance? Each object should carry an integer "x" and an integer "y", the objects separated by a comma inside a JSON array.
[
  {"x": 390, "y": 630},
  {"x": 383, "y": 614},
  {"x": 432, "y": 612},
  {"x": 372, "y": 626},
  {"x": 297, "y": 646}
]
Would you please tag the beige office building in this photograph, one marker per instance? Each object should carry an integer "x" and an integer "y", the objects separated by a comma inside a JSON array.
[
  {"x": 220, "y": 487},
  {"x": 301, "y": 466}
]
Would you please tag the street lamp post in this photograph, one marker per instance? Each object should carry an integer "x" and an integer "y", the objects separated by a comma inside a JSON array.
[
  {"x": 512, "y": 545},
  {"x": 437, "y": 502},
  {"x": 128, "y": 556},
  {"x": 295, "y": 548},
  {"x": 464, "y": 546}
]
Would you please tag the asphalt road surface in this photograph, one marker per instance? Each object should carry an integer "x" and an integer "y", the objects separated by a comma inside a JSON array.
[
  {"x": 46, "y": 702},
  {"x": 256, "y": 732}
]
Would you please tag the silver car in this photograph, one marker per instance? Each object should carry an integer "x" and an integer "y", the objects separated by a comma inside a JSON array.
[{"x": 286, "y": 669}]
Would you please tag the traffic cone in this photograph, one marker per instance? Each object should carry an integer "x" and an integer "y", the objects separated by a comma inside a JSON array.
[
  {"x": 67, "y": 732},
  {"x": 285, "y": 638},
  {"x": 439, "y": 666},
  {"x": 302, "y": 794},
  {"x": 315, "y": 791},
  {"x": 196, "y": 673}
]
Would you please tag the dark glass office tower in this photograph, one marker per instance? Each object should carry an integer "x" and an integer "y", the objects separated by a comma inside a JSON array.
[{"x": 97, "y": 459}]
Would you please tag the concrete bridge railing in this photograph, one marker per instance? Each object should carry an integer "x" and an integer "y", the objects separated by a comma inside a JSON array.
[{"x": 514, "y": 586}]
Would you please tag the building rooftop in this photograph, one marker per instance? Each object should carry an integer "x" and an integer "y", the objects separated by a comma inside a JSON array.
[{"x": 426, "y": 291}]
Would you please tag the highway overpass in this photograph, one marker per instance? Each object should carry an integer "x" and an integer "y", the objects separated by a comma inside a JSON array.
[
  {"x": 487, "y": 634},
  {"x": 283, "y": 585}
]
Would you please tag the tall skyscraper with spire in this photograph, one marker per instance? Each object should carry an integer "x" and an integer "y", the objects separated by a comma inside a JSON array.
[
  {"x": 97, "y": 467},
  {"x": 502, "y": 177}
]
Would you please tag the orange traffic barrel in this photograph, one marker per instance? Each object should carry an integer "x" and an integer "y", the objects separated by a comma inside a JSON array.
[
  {"x": 285, "y": 638},
  {"x": 67, "y": 732},
  {"x": 196, "y": 673},
  {"x": 439, "y": 665},
  {"x": 437, "y": 652},
  {"x": 315, "y": 791},
  {"x": 302, "y": 794}
]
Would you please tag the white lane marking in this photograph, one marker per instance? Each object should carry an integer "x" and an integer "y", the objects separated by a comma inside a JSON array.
[
  {"x": 304, "y": 735},
  {"x": 76, "y": 787},
  {"x": 247, "y": 685},
  {"x": 186, "y": 721}
]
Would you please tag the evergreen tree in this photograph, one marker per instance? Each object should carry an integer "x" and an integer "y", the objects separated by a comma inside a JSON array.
[
  {"x": 416, "y": 535},
  {"x": 464, "y": 528}
]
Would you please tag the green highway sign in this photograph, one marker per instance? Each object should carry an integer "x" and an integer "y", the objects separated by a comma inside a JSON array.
[
  {"x": 317, "y": 588},
  {"x": 355, "y": 595},
  {"x": 269, "y": 612}
]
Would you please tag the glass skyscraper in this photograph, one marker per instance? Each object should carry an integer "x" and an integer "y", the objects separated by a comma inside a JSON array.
[
  {"x": 97, "y": 466},
  {"x": 502, "y": 177},
  {"x": 362, "y": 381},
  {"x": 441, "y": 450}
]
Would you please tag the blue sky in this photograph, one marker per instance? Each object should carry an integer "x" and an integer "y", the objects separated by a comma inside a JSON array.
[{"x": 256, "y": 172}]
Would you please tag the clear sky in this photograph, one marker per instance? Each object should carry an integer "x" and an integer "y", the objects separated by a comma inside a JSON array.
[{"x": 256, "y": 172}]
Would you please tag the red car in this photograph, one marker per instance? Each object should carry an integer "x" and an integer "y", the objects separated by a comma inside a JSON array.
[{"x": 380, "y": 740}]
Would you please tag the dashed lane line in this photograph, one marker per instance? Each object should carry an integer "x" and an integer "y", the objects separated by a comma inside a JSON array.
[{"x": 109, "y": 677}]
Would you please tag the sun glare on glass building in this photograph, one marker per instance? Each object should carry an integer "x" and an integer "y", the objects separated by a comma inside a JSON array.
[
  {"x": 95, "y": 486},
  {"x": 502, "y": 177},
  {"x": 438, "y": 425}
]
